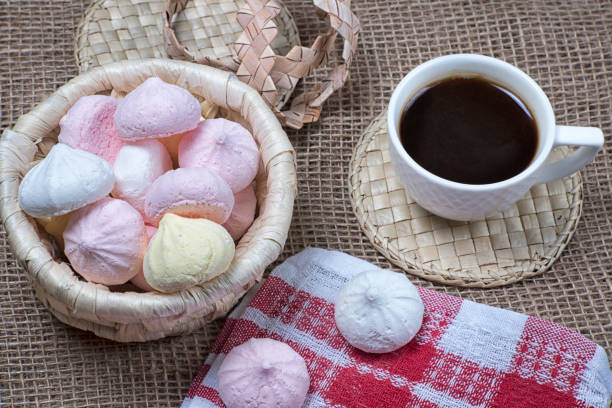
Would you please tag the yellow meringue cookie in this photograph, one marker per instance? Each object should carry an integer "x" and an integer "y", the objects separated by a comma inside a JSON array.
[{"x": 185, "y": 252}]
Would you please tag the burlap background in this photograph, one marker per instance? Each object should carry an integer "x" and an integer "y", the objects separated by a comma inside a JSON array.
[{"x": 565, "y": 45}]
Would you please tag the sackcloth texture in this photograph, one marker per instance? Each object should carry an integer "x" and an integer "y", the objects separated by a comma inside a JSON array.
[
  {"x": 466, "y": 354},
  {"x": 566, "y": 46}
]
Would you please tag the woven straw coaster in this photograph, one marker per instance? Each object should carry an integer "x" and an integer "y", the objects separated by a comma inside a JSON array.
[
  {"x": 115, "y": 30},
  {"x": 504, "y": 248}
]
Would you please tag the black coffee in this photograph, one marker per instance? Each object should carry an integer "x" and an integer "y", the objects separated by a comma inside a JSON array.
[{"x": 469, "y": 130}]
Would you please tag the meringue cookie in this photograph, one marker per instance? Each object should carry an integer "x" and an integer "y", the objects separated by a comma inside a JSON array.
[
  {"x": 263, "y": 373},
  {"x": 243, "y": 213},
  {"x": 156, "y": 109},
  {"x": 379, "y": 311},
  {"x": 224, "y": 147},
  {"x": 191, "y": 192},
  {"x": 89, "y": 126},
  {"x": 139, "y": 280},
  {"x": 105, "y": 241},
  {"x": 65, "y": 180},
  {"x": 185, "y": 252},
  {"x": 137, "y": 166}
]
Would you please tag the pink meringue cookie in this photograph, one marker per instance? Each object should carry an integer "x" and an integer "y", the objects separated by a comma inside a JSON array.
[
  {"x": 263, "y": 373},
  {"x": 89, "y": 126},
  {"x": 243, "y": 214},
  {"x": 137, "y": 166},
  {"x": 156, "y": 109},
  {"x": 189, "y": 192},
  {"x": 139, "y": 280},
  {"x": 105, "y": 242},
  {"x": 224, "y": 147}
]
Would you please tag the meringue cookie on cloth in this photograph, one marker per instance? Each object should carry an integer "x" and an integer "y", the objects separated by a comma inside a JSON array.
[
  {"x": 105, "y": 241},
  {"x": 137, "y": 166},
  {"x": 184, "y": 252},
  {"x": 190, "y": 192},
  {"x": 224, "y": 147},
  {"x": 89, "y": 126},
  {"x": 263, "y": 373},
  {"x": 67, "y": 179},
  {"x": 243, "y": 213},
  {"x": 139, "y": 280},
  {"x": 156, "y": 109},
  {"x": 379, "y": 311}
]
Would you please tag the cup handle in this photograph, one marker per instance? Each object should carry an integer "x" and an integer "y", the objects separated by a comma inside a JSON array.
[{"x": 590, "y": 138}]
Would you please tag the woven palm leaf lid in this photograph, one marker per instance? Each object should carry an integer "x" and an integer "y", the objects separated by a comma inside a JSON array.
[{"x": 257, "y": 40}]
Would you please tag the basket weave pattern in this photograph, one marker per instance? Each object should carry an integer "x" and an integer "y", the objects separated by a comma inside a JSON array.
[{"x": 134, "y": 316}]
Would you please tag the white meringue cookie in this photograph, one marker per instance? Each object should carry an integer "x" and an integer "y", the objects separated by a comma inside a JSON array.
[
  {"x": 67, "y": 179},
  {"x": 136, "y": 167},
  {"x": 379, "y": 311}
]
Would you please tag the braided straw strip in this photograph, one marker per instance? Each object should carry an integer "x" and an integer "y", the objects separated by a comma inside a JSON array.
[
  {"x": 130, "y": 316},
  {"x": 259, "y": 67}
]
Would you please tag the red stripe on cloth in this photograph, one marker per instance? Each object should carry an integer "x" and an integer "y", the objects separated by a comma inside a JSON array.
[
  {"x": 273, "y": 297},
  {"x": 417, "y": 402},
  {"x": 307, "y": 313},
  {"x": 350, "y": 388},
  {"x": 226, "y": 332},
  {"x": 243, "y": 330},
  {"x": 462, "y": 379},
  {"x": 559, "y": 337},
  {"x": 531, "y": 395},
  {"x": 552, "y": 354},
  {"x": 440, "y": 311},
  {"x": 210, "y": 394},
  {"x": 409, "y": 362},
  {"x": 441, "y": 303},
  {"x": 195, "y": 384},
  {"x": 382, "y": 382}
]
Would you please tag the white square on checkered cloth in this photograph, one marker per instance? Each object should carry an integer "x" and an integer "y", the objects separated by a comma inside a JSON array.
[{"x": 484, "y": 334}]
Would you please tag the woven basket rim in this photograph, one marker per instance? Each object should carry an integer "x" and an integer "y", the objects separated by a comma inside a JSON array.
[
  {"x": 56, "y": 282},
  {"x": 415, "y": 267}
]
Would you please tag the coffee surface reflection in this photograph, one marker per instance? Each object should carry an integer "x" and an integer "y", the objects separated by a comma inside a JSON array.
[{"x": 469, "y": 130}]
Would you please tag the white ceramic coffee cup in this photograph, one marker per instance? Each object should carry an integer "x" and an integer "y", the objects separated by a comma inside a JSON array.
[{"x": 465, "y": 202}]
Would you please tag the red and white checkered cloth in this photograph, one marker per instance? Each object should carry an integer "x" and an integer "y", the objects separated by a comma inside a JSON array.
[{"x": 465, "y": 355}]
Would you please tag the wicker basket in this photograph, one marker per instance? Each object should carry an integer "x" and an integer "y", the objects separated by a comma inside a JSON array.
[{"x": 131, "y": 316}]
